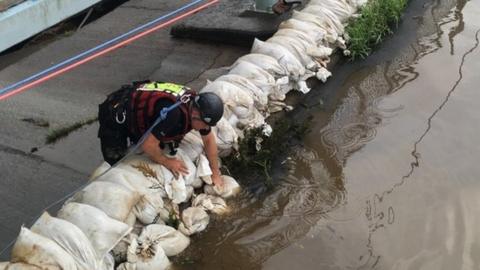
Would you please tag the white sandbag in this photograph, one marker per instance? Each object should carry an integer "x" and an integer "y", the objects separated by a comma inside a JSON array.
[
  {"x": 265, "y": 62},
  {"x": 234, "y": 98},
  {"x": 276, "y": 106},
  {"x": 323, "y": 74},
  {"x": 319, "y": 53},
  {"x": 148, "y": 207},
  {"x": 260, "y": 98},
  {"x": 102, "y": 231},
  {"x": 230, "y": 188},
  {"x": 121, "y": 177},
  {"x": 252, "y": 72},
  {"x": 341, "y": 43},
  {"x": 108, "y": 262},
  {"x": 127, "y": 266},
  {"x": 198, "y": 183},
  {"x": 70, "y": 238},
  {"x": 172, "y": 241},
  {"x": 194, "y": 220},
  {"x": 32, "y": 248},
  {"x": 302, "y": 86},
  {"x": 226, "y": 138},
  {"x": 211, "y": 203},
  {"x": 99, "y": 170},
  {"x": 357, "y": 3},
  {"x": 270, "y": 65},
  {"x": 255, "y": 120},
  {"x": 317, "y": 33},
  {"x": 298, "y": 49},
  {"x": 258, "y": 76},
  {"x": 146, "y": 257},
  {"x": 146, "y": 174},
  {"x": 176, "y": 190},
  {"x": 297, "y": 34},
  {"x": 192, "y": 169},
  {"x": 321, "y": 17},
  {"x": 339, "y": 7},
  {"x": 190, "y": 192},
  {"x": 175, "y": 187},
  {"x": 204, "y": 172},
  {"x": 137, "y": 228},
  {"x": 119, "y": 252},
  {"x": 317, "y": 23},
  {"x": 267, "y": 130},
  {"x": 113, "y": 199},
  {"x": 285, "y": 58},
  {"x": 131, "y": 219},
  {"x": 170, "y": 211},
  {"x": 18, "y": 266},
  {"x": 232, "y": 120},
  {"x": 131, "y": 178},
  {"x": 192, "y": 145}
]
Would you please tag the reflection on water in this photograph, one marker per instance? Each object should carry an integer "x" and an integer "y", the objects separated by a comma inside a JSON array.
[
  {"x": 375, "y": 99},
  {"x": 344, "y": 201},
  {"x": 262, "y": 227},
  {"x": 401, "y": 234}
]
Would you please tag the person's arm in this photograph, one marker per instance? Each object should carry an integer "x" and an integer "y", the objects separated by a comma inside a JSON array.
[
  {"x": 152, "y": 149},
  {"x": 210, "y": 147}
]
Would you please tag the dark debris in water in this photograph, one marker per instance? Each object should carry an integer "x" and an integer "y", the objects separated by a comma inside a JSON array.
[{"x": 255, "y": 164}]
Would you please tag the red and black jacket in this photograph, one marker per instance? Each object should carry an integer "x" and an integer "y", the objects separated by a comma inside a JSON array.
[{"x": 142, "y": 113}]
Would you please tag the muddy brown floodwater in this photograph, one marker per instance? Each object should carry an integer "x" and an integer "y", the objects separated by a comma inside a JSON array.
[{"x": 388, "y": 176}]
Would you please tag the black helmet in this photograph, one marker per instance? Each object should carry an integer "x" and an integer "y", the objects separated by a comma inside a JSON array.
[{"x": 210, "y": 107}]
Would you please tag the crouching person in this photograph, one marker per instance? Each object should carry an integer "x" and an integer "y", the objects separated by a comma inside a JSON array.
[{"x": 129, "y": 112}]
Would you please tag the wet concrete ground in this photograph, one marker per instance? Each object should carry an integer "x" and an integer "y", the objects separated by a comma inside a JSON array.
[{"x": 35, "y": 174}]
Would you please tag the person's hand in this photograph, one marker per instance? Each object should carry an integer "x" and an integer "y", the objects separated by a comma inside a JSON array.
[
  {"x": 177, "y": 167},
  {"x": 217, "y": 181}
]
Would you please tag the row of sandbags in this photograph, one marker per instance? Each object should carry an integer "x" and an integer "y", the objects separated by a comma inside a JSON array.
[
  {"x": 257, "y": 83},
  {"x": 120, "y": 218}
]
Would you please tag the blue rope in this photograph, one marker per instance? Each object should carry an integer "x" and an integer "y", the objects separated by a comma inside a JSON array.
[{"x": 72, "y": 59}]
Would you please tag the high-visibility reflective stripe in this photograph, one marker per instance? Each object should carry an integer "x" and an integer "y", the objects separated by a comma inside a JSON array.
[{"x": 171, "y": 88}]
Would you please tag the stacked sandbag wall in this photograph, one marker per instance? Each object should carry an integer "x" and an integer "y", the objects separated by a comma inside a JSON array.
[{"x": 138, "y": 214}]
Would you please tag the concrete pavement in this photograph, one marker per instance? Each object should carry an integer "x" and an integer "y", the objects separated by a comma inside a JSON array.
[{"x": 35, "y": 174}]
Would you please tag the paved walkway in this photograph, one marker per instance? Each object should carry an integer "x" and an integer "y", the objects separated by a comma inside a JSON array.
[{"x": 32, "y": 180}]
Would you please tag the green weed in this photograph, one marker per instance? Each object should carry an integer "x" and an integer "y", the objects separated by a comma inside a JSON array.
[
  {"x": 378, "y": 18},
  {"x": 56, "y": 134}
]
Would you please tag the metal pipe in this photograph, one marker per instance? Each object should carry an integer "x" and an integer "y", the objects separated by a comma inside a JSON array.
[{"x": 98, "y": 51}]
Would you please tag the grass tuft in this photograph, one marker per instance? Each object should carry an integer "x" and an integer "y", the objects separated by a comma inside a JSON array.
[
  {"x": 378, "y": 18},
  {"x": 56, "y": 134}
]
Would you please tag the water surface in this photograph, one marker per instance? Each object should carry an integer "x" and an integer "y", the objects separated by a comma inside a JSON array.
[{"x": 387, "y": 178}]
